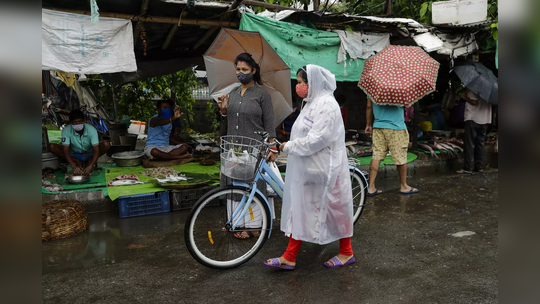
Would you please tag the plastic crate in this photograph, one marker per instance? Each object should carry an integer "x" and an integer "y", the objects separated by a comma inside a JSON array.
[
  {"x": 144, "y": 204},
  {"x": 185, "y": 199}
]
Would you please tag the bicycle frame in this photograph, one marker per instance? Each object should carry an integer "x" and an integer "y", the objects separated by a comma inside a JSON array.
[
  {"x": 267, "y": 174},
  {"x": 100, "y": 125},
  {"x": 264, "y": 172}
]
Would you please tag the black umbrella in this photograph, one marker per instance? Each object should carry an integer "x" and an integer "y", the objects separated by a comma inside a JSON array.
[{"x": 479, "y": 79}]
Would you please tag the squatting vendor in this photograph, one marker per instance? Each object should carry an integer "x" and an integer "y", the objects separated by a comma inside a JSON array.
[{"x": 80, "y": 144}]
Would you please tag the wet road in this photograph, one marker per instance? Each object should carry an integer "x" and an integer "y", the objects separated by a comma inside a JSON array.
[{"x": 403, "y": 246}]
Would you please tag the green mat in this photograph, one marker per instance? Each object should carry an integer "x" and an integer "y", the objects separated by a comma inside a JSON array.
[
  {"x": 118, "y": 191},
  {"x": 364, "y": 161},
  {"x": 55, "y": 136},
  {"x": 97, "y": 182},
  {"x": 436, "y": 151}
]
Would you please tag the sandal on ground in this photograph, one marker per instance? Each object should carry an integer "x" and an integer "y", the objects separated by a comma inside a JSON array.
[
  {"x": 336, "y": 262},
  {"x": 462, "y": 171},
  {"x": 249, "y": 233},
  {"x": 413, "y": 190},
  {"x": 275, "y": 262},
  {"x": 377, "y": 192}
]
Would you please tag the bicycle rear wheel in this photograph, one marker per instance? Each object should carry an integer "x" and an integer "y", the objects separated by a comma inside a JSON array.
[
  {"x": 209, "y": 235},
  {"x": 359, "y": 187}
]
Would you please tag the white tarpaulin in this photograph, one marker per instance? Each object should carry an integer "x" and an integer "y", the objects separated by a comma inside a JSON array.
[
  {"x": 360, "y": 46},
  {"x": 70, "y": 43},
  {"x": 447, "y": 44},
  {"x": 459, "y": 11}
]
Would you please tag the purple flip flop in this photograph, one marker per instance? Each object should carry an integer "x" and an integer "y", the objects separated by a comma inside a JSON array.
[
  {"x": 337, "y": 262},
  {"x": 276, "y": 263}
]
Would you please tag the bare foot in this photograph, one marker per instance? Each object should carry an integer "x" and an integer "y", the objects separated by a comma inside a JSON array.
[
  {"x": 183, "y": 156},
  {"x": 284, "y": 262},
  {"x": 246, "y": 234},
  {"x": 343, "y": 258}
]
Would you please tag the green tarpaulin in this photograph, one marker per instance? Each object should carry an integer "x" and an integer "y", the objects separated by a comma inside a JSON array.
[
  {"x": 366, "y": 160},
  {"x": 298, "y": 45}
]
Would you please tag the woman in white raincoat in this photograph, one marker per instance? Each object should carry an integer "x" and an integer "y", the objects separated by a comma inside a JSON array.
[{"x": 317, "y": 202}]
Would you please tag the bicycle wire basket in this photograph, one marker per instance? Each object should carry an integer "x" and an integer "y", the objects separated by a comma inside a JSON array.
[{"x": 239, "y": 156}]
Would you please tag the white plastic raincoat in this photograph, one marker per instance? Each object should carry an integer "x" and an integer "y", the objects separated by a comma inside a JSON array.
[{"x": 317, "y": 202}]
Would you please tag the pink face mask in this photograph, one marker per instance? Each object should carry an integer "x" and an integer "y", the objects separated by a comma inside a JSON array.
[{"x": 302, "y": 90}]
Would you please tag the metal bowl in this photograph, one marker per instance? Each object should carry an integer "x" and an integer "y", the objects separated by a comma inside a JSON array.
[
  {"x": 77, "y": 179},
  {"x": 128, "y": 159}
]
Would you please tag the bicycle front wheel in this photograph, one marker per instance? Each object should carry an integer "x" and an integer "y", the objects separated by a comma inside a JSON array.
[
  {"x": 209, "y": 235},
  {"x": 359, "y": 188}
]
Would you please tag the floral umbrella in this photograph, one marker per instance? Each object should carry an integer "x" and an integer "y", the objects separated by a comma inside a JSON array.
[
  {"x": 275, "y": 74},
  {"x": 399, "y": 76}
]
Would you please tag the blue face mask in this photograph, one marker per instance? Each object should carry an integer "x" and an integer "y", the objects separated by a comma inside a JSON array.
[
  {"x": 78, "y": 128},
  {"x": 166, "y": 113}
]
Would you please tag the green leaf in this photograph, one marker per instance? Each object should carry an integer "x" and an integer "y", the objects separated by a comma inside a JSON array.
[
  {"x": 495, "y": 34},
  {"x": 349, "y": 29},
  {"x": 423, "y": 9}
]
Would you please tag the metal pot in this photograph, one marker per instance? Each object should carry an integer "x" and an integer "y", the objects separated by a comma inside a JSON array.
[
  {"x": 128, "y": 159},
  {"x": 77, "y": 179},
  {"x": 49, "y": 160}
]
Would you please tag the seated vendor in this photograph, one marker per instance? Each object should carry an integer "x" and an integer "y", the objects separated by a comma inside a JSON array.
[
  {"x": 80, "y": 144},
  {"x": 162, "y": 143}
]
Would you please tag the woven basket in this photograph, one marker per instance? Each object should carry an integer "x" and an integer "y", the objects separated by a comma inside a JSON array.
[{"x": 61, "y": 219}]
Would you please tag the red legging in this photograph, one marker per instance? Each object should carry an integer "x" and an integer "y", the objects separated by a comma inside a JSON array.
[{"x": 290, "y": 254}]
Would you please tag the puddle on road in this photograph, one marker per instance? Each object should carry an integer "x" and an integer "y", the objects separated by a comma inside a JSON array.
[{"x": 107, "y": 240}]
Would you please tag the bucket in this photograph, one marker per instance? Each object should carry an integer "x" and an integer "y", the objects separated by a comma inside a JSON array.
[
  {"x": 128, "y": 139},
  {"x": 49, "y": 160},
  {"x": 115, "y": 131}
]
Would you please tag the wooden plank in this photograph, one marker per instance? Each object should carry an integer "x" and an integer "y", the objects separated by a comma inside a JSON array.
[
  {"x": 271, "y": 6},
  {"x": 213, "y": 29},
  {"x": 205, "y": 37},
  {"x": 170, "y": 20},
  {"x": 170, "y": 36}
]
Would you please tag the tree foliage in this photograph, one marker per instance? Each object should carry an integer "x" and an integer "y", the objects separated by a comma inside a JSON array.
[{"x": 137, "y": 99}]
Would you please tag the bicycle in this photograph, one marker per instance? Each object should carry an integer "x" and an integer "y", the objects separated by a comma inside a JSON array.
[
  {"x": 98, "y": 122},
  {"x": 213, "y": 220}
]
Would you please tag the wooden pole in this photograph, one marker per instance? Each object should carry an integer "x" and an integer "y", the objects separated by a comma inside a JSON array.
[
  {"x": 317, "y": 5},
  {"x": 205, "y": 37},
  {"x": 388, "y": 7},
  {"x": 415, "y": 127},
  {"x": 114, "y": 103},
  {"x": 170, "y": 36},
  {"x": 170, "y": 20}
]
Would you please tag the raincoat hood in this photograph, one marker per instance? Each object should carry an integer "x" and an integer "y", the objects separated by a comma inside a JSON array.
[{"x": 321, "y": 82}]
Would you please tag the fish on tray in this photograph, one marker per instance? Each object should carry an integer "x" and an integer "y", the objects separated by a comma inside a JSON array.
[
  {"x": 428, "y": 148},
  {"x": 124, "y": 182},
  {"x": 437, "y": 146},
  {"x": 455, "y": 146},
  {"x": 449, "y": 149}
]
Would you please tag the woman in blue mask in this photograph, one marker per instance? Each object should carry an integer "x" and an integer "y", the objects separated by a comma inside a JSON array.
[
  {"x": 161, "y": 142},
  {"x": 248, "y": 109}
]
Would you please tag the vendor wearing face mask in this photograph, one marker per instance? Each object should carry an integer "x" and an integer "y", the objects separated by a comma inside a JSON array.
[
  {"x": 80, "y": 144},
  {"x": 161, "y": 142},
  {"x": 249, "y": 109}
]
